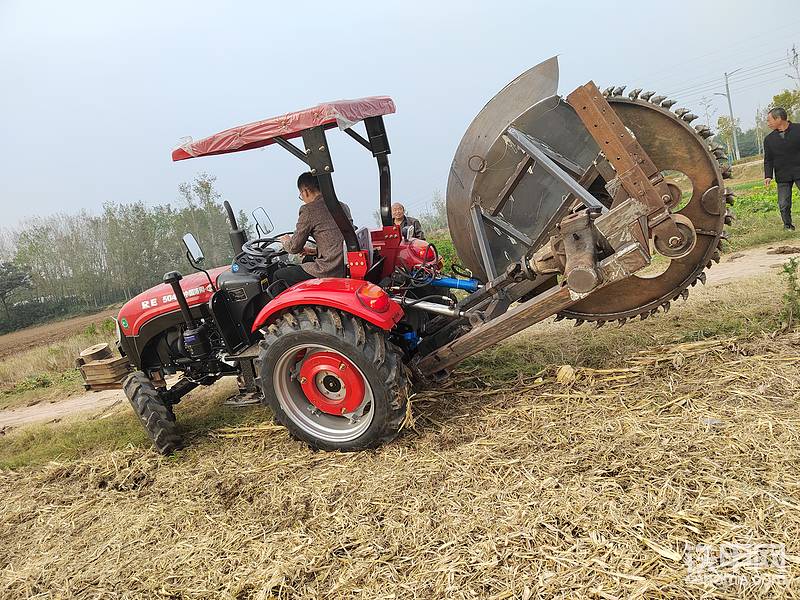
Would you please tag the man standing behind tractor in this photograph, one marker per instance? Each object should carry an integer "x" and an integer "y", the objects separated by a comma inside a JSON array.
[
  {"x": 316, "y": 221},
  {"x": 400, "y": 218},
  {"x": 782, "y": 157}
]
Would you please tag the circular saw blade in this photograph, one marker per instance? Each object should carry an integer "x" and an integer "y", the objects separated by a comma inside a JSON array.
[{"x": 673, "y": 145}]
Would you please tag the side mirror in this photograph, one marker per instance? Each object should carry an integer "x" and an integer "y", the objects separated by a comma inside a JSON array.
[
  {"x": 193, "y": 248},
  {"x": 263, "y": 223},
  {"x": 408, "y": 232}
]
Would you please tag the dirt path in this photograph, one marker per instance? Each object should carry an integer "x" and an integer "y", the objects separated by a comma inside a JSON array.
[
  {"x": 55, "y": 411},
  {"x": 31, "y": 337},
  {"x": 740, "y": 265},
  {"x": 750, "y": 262}
]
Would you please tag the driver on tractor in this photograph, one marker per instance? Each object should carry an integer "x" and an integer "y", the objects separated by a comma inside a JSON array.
[{"x": 314, "y": 220}]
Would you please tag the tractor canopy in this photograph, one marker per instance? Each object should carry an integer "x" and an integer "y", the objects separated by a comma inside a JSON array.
[{"x": 341, "y": 113}]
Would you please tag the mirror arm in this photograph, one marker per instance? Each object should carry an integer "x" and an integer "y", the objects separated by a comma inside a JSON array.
[{"x": 197, "y": 267}]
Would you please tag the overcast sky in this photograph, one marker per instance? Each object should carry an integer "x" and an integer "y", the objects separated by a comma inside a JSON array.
[{"x": 95, "y": 95}]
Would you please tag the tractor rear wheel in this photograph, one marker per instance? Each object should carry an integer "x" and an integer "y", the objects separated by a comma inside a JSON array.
[
  {"x": 154, "y": 413},
  {"x": 333, "y": 380}
]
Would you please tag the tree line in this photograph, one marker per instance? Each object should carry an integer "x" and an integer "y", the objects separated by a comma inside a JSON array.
[{"x": 63, "y": 264}]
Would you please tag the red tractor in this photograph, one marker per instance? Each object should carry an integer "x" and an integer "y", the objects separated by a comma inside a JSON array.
[{"x": 553, "y": 204}]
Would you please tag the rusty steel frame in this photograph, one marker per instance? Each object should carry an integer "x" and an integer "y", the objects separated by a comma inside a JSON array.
[
  {"x": 637, "y": 174},
  {"x": 628, "y": 258}
]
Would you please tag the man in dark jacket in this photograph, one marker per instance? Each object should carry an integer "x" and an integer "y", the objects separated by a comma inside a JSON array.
[
  {"x": 315, "y": 221},
  {"x": 400, "y": 218},
  {"x": 782, "y": 159}
]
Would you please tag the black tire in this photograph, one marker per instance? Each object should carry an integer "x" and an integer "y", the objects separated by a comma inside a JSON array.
[
  {"x": 155, "y": 415},
  {"x": 365, "y": 346}
]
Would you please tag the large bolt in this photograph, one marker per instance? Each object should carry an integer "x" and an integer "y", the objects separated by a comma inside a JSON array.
[
  {"x": 674, "y": 241},
  {"x": 303, "y": 380}
]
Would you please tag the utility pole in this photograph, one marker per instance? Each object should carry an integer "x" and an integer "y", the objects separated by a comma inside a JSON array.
[
  {"x": 759, "y": 140},
  {"x": 733, "y": 120},
  {"x": 727, "y": 94},
  {"x": 794, "y": 63}
]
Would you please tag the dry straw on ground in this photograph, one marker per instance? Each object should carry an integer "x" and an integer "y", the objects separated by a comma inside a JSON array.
[{"x": 564, "y": 483}]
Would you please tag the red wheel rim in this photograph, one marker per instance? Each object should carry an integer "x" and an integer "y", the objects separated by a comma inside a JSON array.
[{"x": 331, "y": 383}]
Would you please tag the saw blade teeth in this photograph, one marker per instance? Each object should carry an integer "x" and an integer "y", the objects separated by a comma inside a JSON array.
[
  {"x": 643, "y": 316},
  {"x": 607, "y": 92},
  {"x": 681, "y": 111},
  {"x": 729, "y": 217},
  {"x": 622, "y": 321},
  {"x": 689, "y": 117},
  {"x": 701, "y": 277},
  {"x": 729, "y": 198},
  {"x": 716, "y": 256},
  {"x": 618, "y": 90},
  {"x": 599, "y": 324},
  {"x": 727, "y": 173},
  {"x": 666, "y": 306},
  {"x": 654, "y": 311},
  {"x": 657, "y": 99},
  {"x": 669, "y": 103},
  {"x": 646, "y": 95},
  {"x": 685, "y": 294},
  {"x": 634, "y": 94},
  {"x": 578, "y": 322},
  {"x": 719, "y": 152},
  {"x": 559, "y": 317},
  {"x": 707, "y": 133},
  {"x": 709, "y": 264}
]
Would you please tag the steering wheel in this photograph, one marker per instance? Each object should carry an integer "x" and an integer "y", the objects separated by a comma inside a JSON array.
[{"x": 260, "y": 247}]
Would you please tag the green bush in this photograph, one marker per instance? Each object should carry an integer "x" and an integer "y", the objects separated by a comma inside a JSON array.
[
  {"x": 445, "y": 248},
  {"x": 108, "y": 325}
]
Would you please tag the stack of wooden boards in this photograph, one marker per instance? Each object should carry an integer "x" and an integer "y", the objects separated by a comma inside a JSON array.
[{"x": 100, "y": 370}]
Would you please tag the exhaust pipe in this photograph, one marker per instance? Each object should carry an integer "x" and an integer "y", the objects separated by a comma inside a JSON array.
[{"x": 237, "y": 236}]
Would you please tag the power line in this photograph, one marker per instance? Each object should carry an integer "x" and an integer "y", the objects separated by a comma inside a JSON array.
[
  {"x": 759, "y": 84},
  {"x": 770, "y": 78},
  {"x": 702, "y": 92},
  {"x": 714, "y": 82},
  {"x": 728, "y": 52}
]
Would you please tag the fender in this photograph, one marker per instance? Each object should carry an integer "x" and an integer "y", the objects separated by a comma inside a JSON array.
[{"x": 342, "y": 294}]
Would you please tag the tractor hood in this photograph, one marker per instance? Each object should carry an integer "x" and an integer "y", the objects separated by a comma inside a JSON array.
[{"x": 160, "y": 299}]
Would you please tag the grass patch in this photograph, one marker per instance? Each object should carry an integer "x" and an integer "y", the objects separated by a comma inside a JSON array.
[
  {"x": 740, "y": 308},
  {"x": 198, "y": 414},
  {"x": 41, "y": 387},
  {"x": 758, "y": 220},
  {"x": 49, "y": 369}
]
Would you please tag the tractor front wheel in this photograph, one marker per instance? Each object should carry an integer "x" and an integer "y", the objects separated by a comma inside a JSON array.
[
  {"x": 333, "y": 380},
  {"x": 154, "y": 413}
]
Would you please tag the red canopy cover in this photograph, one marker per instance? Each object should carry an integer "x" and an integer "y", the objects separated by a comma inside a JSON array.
[{"x": 344, "y": 113}]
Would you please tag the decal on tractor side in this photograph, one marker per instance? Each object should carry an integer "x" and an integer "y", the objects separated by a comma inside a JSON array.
[{"x": 167, "y": 298}]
